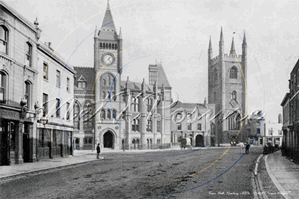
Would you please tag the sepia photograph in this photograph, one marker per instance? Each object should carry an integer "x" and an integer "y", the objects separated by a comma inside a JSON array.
[{"x": 149, "y": 99}]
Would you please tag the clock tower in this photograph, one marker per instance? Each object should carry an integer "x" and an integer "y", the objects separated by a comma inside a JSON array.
[{"x": 107, "y": 67}]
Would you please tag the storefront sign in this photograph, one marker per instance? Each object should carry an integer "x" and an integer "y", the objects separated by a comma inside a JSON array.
[{"x": 7, "y": 114}]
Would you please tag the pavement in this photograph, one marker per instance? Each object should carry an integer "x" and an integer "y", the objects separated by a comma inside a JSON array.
[{"x": 284, "y": 174}]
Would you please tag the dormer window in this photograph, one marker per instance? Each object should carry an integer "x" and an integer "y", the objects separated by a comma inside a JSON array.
[{"x": 81, "y": 84}]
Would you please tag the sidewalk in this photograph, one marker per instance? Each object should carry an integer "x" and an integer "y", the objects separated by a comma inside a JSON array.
[{"x": 284, "y": 174}]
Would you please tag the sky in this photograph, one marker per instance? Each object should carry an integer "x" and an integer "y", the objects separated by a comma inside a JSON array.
[{"x": 177, "y": 32}]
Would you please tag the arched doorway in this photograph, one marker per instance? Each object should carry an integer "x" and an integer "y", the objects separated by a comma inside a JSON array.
[
  {"x": 199, "y": 141},
  {"x": 108, "y": 139}
]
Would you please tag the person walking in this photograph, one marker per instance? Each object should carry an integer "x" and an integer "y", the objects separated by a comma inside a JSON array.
[
  {"x": 247, "y": 147},
  {"x": 98, "y": 151}
]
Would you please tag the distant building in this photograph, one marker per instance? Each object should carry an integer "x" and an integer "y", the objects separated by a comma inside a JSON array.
[
  {"x": 273, "y": 133},
  {"x": 227, "y": 77},
  {"x": 200, "y": 131},
  {"x": 285, "y": 121},
  {"x": 290, "y": 106}
]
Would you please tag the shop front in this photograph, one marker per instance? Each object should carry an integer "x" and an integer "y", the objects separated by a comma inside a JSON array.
[{"x": 16, "y": 137}]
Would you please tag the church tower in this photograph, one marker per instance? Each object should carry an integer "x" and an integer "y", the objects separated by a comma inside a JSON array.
[
  {"x": 107, "y": 67},
  {"x": 227, "y": 90}
]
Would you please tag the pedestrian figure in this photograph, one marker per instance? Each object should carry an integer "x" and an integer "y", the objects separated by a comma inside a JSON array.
[
  {"x": 247, "y": 148},
  {"x": 98, "y": 151}
]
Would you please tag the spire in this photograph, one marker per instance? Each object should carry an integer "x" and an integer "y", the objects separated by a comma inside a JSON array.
[
  {"x": 120, "y": 34},
  {"x": 95, "y": 34},
  {"x": 232, "y": 51},
  {"x": 155, "y": 89},
  {"x": 244, "y": 39},
  {"x": 127, "y": 83},
  {"x": 143, "y": 86},
  {"x": 209, "y": 46},
  {"x": 221, "y": 35},
  {"x": 108, "y": 22}
]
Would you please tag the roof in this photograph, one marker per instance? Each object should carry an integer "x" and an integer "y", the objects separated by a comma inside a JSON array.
[
  {"x": 19, "y": 16},
  {"x": 286, "y": 97},
  {"x": 187, "y": 106},
  {"x": 108, "y": 22},
  {"x": 135, "y": 86},
  {"x": 161, "y": 77},
  {"x": 108, "y": 29},
  {"x": 87, "y": 74}
]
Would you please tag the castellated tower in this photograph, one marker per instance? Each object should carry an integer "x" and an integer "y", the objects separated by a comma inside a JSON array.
[
  {"x": 227, "y": 78},
  {"x": 107, "y": 67}
]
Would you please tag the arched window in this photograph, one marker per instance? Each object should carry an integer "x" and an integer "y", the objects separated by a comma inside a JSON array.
[
  {"x": 136, "y": 105},
  {"x": 233, "y": 95},
  {"x": 114, "y": 97},
  {"x": 100, "y": 45},
  {"x": 76, "y": 116},
  {"x": 106, "y": 45},
  {"x": 149, "y": 125},
  {"x": 114, "y": 113},
  {"x": 109, "y": 46},
  {"x": 28, "y": 54},
  {"x": 149, "y": 104},
  {"x": 102, "y": 114},
  {"x": 87, "y": 116},
  {"x": 233, "y": 73},
  {"x": 216, "y": 75},
  {"x": 116, "y": 46},
  {"x": 133, "y": 125},
  {"x": 106, "y": 85},
  {"x": 3, "y": 39},
  {"x": 108, "y": 114},
  {"x": 28, "y": 94},
  {"x": 3, "y": 86}
]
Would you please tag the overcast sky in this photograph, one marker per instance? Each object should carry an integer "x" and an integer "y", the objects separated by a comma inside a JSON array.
[{"x": 177, "y": 32}]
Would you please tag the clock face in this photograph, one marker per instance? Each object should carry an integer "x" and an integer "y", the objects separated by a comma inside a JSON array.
[{"x": 108, "y": 59}]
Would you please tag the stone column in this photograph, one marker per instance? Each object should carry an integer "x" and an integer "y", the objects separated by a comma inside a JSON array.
[
  {"x": 33, "y": 141},
  {"x": 128, "y": 121},
  {"x": 51, "y": 143},
  {"x": 62, "y": 143},
  {"x": 19, "y": 143},
  {"x": 162, "y": 121},
  {"x": 143, "y": 123}
]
